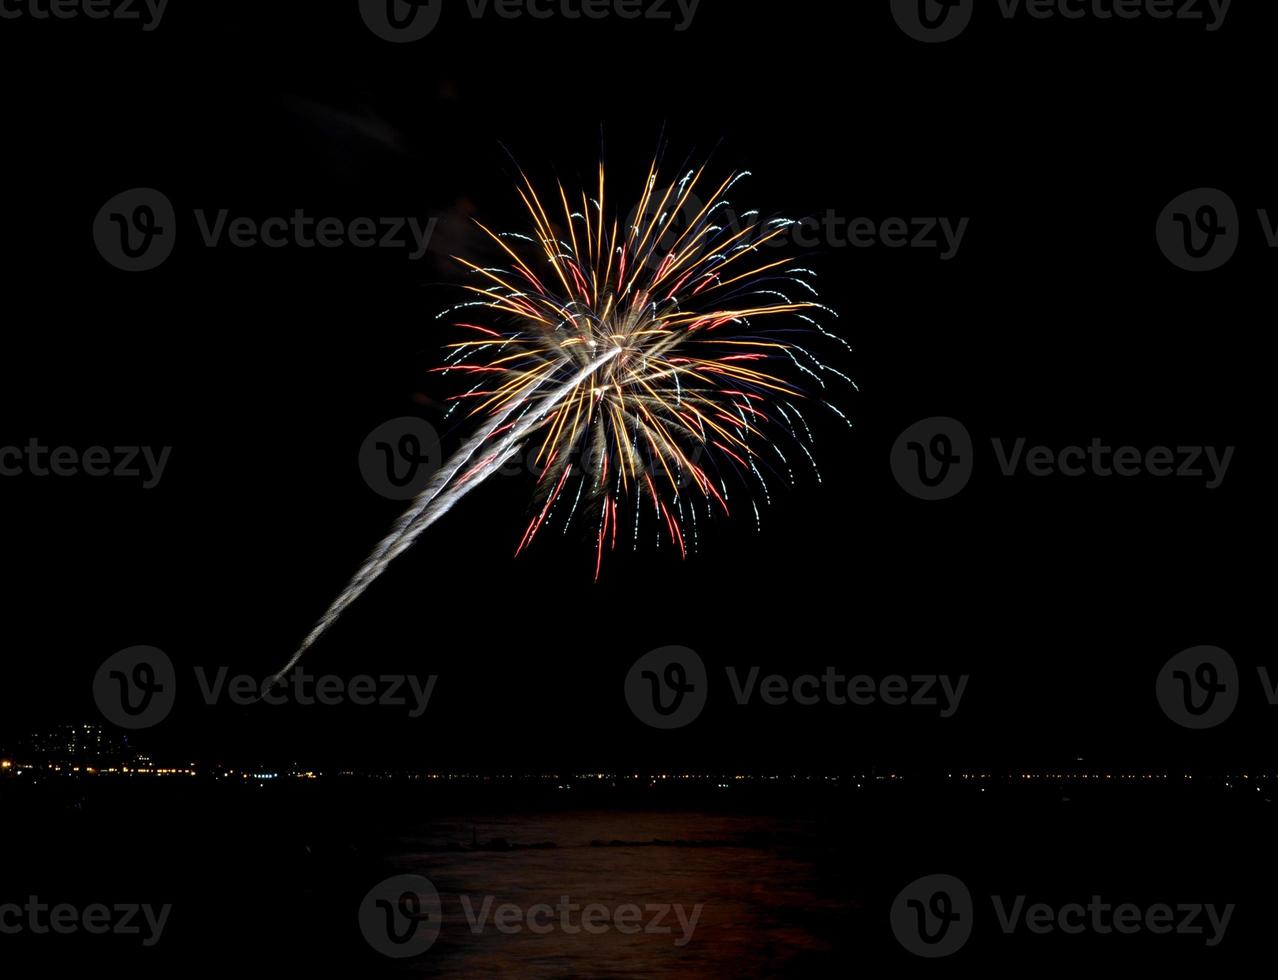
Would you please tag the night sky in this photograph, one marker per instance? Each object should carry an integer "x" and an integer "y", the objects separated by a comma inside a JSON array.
[
  {"x": 1058, "y": 320},
  {"x": 1056, "y": 235}
]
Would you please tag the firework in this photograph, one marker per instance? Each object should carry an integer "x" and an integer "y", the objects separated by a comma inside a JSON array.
[{"x": 654, "y": 369}]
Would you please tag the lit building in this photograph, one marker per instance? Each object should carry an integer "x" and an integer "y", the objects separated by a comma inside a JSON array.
[{"x": 77, "y": 743}]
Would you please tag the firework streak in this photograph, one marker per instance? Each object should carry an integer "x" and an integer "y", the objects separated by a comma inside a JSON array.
[{"x": 640, "y": 363}]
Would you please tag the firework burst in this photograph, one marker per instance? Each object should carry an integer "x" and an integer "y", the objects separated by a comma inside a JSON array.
[{"x": 654, "y": 369}]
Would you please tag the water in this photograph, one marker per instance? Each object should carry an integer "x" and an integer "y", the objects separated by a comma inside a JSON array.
[
  {"x": 755, "y": 901},
  {"x": 268, "y": 881}
]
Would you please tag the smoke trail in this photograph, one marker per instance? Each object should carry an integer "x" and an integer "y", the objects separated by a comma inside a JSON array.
[{"x": 438, "y": 498}]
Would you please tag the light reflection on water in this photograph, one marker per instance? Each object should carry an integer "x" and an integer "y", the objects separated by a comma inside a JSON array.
[{"x": 769, "y": 900}]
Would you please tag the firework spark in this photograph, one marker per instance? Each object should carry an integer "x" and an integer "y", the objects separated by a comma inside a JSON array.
[{"x": 639, "y": 360}]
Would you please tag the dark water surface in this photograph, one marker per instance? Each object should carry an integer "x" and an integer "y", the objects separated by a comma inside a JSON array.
[
  {"x": 756, "y": 893},
  {"x": 785, "y": 883}
]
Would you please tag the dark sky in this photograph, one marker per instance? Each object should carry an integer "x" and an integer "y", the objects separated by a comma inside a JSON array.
[{"x": 1059, "y": 321}]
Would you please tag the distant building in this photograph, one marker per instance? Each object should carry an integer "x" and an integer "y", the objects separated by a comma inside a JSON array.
[{"x": 77, "y": 743}]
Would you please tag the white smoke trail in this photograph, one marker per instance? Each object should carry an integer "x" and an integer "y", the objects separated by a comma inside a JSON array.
[{"x": 438, "y": 498}]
